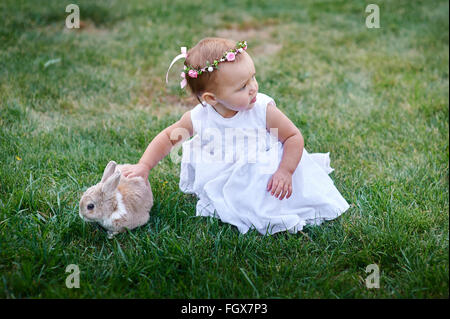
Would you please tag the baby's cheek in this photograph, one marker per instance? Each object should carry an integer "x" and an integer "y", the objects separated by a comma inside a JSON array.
[{"x": 239, "y": 104}]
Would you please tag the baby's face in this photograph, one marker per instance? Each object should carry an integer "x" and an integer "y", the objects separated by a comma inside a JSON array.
[{"x": 237, "y": 86}]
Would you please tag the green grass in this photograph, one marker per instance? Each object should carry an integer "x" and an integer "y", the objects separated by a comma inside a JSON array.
[{"x": 377, "y": 99}]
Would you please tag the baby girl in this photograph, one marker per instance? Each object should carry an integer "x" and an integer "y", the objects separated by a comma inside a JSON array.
[{"x": 242, "y": 190}]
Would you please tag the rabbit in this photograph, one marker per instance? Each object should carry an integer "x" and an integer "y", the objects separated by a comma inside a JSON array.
[{"x": 117, "y": 203}]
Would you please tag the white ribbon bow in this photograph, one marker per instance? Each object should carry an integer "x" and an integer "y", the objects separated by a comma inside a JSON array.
[{"x": 183, "y": 75}]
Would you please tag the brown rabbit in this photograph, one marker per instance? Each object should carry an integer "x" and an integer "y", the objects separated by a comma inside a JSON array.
[{"x": 117, "y": 203}]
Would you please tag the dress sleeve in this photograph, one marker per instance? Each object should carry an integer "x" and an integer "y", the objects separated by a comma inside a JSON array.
[
  {"x": 263, "y": 100},
  {"x": 196, "y": 117}
]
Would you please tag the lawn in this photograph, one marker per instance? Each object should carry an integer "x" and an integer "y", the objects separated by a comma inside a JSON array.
[{"x": 73, "y": 99}]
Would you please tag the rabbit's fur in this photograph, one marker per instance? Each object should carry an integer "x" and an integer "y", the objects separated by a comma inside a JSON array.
[{"x": 117, "y": 203}]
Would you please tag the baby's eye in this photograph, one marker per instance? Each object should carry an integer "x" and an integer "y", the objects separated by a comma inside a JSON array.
[{"x": 245, "y": 85}]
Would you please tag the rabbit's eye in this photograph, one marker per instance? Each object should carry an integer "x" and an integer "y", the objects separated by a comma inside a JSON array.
[{"x": 90, "y": 206}]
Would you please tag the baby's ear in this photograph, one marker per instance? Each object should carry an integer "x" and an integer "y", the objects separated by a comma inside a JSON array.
[
  {"x": 209, "y": 98},
  {"x": 109, "y": 187}
]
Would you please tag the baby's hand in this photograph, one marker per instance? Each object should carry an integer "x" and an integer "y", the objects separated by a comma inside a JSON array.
[
  {"x": 281, "y": 184},
  {"x": 135, "y": 170}
]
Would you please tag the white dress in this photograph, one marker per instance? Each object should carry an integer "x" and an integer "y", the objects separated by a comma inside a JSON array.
[{"x": 229, "y": 161}]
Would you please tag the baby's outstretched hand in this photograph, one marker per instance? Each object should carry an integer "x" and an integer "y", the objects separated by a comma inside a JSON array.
[
  {"x": 135, "y": 170},
  {"x": 280, "y": 184}
]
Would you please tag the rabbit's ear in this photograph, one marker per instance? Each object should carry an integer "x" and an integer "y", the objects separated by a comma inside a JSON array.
[
  {"x": 109, "y": 170},
  {"x": 109, "y": 187}
]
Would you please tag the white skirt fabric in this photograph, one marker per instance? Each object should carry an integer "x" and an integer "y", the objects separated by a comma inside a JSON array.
[{"x": 236, "y": 193}]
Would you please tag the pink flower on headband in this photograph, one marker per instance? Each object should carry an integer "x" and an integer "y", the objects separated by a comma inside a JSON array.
[
  {"x": 231, "y": 56},
  {"x": 193, "y": 73}
]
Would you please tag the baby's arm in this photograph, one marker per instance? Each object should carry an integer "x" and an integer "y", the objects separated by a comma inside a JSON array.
[
  {"x": 160, "y": 146},
  {"x": 281, "y": 181}
]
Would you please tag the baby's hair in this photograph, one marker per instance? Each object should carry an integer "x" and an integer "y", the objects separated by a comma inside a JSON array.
[{"x": 207, "y": 49}]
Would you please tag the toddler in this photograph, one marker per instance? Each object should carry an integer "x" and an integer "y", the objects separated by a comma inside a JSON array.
[{"x": 268, "y": 181}]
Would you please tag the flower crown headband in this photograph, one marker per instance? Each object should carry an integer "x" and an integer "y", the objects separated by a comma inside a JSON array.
[{"x": 228, "y": 56}]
